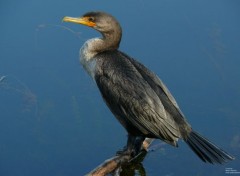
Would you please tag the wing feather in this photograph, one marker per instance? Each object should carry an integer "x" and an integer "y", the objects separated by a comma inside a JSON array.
[
  {"x": 162, "y": 92},
  {"x": 132, "y": 99}
]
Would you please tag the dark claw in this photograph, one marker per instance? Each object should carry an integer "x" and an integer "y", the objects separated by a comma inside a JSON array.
[{"x": 124, "y": 151}]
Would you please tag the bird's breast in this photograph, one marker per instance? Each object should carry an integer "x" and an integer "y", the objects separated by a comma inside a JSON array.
[{"x": 87, "y": 58}]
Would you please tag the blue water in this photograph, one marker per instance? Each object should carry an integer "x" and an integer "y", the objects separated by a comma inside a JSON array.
[{"x": 53, "y": 121}]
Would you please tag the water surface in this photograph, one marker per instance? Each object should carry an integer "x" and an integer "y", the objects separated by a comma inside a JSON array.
[{"x": 53, "y": 120}]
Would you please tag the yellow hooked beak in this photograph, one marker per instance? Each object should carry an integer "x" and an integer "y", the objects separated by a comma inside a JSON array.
[{"x": 81, "y": 20}]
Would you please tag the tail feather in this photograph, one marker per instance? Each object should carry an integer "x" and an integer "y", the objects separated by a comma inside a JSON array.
[{"x": 207, "y": 151}]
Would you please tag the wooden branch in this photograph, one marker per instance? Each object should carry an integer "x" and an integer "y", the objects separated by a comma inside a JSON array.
[{"x": 114, "y": 163}]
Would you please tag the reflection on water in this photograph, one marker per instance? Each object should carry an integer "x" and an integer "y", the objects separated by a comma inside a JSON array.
[
  {"x": 76, "y": 109},
  {"x": 235, "y": 143},
  {"x": 42, "y": 26},
  {"x": 135, "y": 169},
  {"x": 217, "y": 51},
  {"x": 193, "y": 46},
  {"x": 12, "y": 83}
]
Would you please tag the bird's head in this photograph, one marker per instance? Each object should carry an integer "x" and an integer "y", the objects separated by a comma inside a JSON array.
[{"x": 101, "y": 21}]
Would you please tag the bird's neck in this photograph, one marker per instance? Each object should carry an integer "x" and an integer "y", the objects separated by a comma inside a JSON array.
[
  {"x": 97, "y": 45},
  {"x": 110, "y": 41}
]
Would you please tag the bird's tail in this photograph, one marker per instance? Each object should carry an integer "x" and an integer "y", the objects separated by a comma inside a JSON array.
[{"x": 206, "y": 151}]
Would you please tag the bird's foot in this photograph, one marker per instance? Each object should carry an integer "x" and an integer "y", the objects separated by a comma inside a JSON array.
[
  {"x": 133, "y": 147},
  {"x": 127, "y": 151},
  {"x": 123, "y": 151}
]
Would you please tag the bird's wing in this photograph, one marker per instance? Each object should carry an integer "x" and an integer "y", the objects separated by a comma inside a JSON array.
[
  {"x": 131, "y": 98},
  {"x": 161, "y": 90}
]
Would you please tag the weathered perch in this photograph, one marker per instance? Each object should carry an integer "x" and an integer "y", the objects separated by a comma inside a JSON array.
[{"x": 113, "y": 164}]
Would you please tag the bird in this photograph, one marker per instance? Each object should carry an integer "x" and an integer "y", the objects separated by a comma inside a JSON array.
[{"x": 135, "y": 95}]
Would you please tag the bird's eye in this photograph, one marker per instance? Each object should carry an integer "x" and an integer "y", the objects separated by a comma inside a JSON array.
[{"x": 91, "y": 19}]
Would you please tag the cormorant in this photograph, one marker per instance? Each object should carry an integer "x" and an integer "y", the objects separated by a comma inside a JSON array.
[{"x": 135, "y": 95}]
